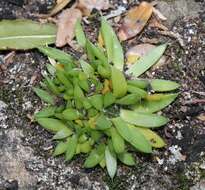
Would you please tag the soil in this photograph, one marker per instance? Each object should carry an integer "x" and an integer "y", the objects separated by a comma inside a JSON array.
[{"x": 26, "y": 160}]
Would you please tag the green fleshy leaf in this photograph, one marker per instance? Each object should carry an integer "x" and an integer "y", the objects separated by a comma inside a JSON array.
[
  {"x": 154, "y": 139},
  {"x": 143, "y": 119},
  {"x": 139, "y": 83},
  {"x": 44, "y": 95},
  {"x": 154, "y": 103},
  {"x": 108, "y": 99},
  {"x": 113, "y": 47},
  {"x": 51, "y": 124},
  {"x": 24, "y": 34},
  {"x": 87, "y": 68},
  {"x": 96, "y": 101},
  {"x": 126, "y": 158},
  {"x": 56, "y": 54},
  {"x": 95, "y": 156},
  {"x": 63, "y": 133},
  {"x": 111, "y": 162},
  {"x": 129, "y": 99},
  {"x": 102, "y": 122},
  {"x": 117, "y": 141},
  {"x": 119, "y": 83},
  {"x": 71, "y": 114},
  {"x": 147, "y": 61},
  {"x": 79, "y": 34},
  {"x": 60, "y": 148},
  {"x": 72, "y": 144},
  {"x": 46, "y": 112},
  {"x": 160, "y": 85},
  {"x": 134, "y": 138}
]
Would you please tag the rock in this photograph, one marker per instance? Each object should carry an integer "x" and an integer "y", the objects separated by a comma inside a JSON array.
[
  {"x": 16, "y": 2},
  {"x": 178, "y": 8},
  {"x": 12, "y": 158},
  {"x": 199, "y": 186},
  {"x": 3, "y": 115}
]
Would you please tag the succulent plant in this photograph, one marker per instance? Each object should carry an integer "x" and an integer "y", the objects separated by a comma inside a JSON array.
[{"x": 93, "y": 108}]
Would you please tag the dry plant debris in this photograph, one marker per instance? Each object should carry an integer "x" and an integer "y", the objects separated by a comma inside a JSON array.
[
  {"x": 86, "y": 6},
  {"x": 135, "y": 21},
  {"x": 66, "y": 25}
]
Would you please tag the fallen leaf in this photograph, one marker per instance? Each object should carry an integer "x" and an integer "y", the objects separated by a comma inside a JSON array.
[
  {"x": 66, "y": 26},
  {"x": 86, "y": 6},
  {"x": 120, "y": 10},
  {"x": 135, "y": 21}
]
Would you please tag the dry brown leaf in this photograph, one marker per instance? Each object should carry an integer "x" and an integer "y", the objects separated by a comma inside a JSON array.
[
  {"x": 138, "y": 51},
  {"x": 86, "y": 6},
  {"x": 66, "y": 24},
  {"x": 135, "y": 21}
]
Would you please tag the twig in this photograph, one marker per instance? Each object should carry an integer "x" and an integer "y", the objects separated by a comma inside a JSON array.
[
  {"x": 196, "y": 101},
  {"x": 173, "y": 35},
  {"x": 199, "y": 93}
]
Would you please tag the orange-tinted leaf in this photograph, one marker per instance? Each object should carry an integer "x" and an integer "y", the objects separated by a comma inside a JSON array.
[
  {"x": 135, "y": 21},
  {"x": 86, "y": 6},
  {"x": 138, "y": 51},
  {"x": 100, "y": 40},
  {"x": 66, "y": 26}
]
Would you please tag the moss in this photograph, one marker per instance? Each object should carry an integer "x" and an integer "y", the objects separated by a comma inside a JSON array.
[{"x": 183, "y": 182}]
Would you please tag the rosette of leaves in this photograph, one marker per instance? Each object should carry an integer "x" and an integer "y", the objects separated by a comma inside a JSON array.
[{"x": 94, "y": 109}]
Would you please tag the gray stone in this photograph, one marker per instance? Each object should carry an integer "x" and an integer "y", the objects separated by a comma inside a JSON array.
[
  {"x": 178, "y": 8},
  {"x": 199, "y": 186},
  {"x": 12, "y": 158}
]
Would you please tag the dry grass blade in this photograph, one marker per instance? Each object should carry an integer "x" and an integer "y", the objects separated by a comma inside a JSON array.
[
  {"x": 86, "y": 6},
  {"x": 60, "y": 4},
  {"x": 135, "y": 21},
  {"x": 66, "y": 25}
]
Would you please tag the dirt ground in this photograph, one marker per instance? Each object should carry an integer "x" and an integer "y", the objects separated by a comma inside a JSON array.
[{"x": 25, "y": 148}]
